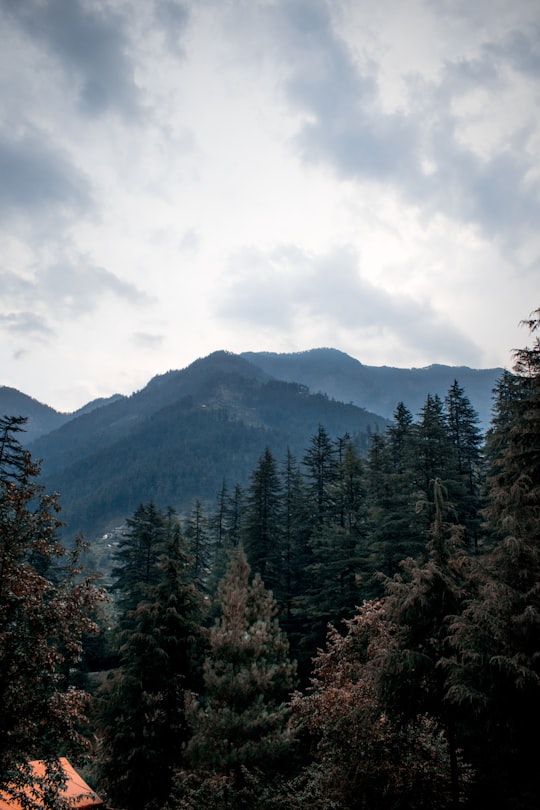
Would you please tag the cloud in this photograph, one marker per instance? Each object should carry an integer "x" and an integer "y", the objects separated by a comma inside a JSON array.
[
  {"x": 89, "y": 41},
  {"x": 520, "y": 49},
  {"x": 346, "y": 125},
  {"x": 145, "y": 340},
  {"x": 38, "y": 176},
  {"x": 173, "y": 17},
  {"x": 289, "y": 290},
  {"x": 77, "y": 286},
  {"x": 26, "y": 324},
  {"x": 61, "y": 291}
]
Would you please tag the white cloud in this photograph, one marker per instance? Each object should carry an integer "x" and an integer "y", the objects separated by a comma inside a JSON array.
[{"x": 178, "y": 177}]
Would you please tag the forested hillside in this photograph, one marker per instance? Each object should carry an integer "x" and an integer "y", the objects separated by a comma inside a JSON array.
[
  {"x": 377, "y": 388},
  {"x": 181, "y": 436},
  {"x": 351, "y": 627}
]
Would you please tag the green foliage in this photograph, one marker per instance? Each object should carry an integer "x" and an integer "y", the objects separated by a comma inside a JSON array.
[
  {"x": 262, "y": 523},
  {"x": 497, "y": 665},
  {"x": 199, "y": 543},
  {"x": 45, "y": 609},
  {"x": 362, "y": 758},
  {"x": 240, "y": 721},
  {"x": 442, "y": 670},
  {"x": 142, "y": 723},
  {"x": 137, "y": 555}
]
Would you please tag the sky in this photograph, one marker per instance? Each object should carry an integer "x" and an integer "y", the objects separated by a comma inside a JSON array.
[{"x": 180, "y": 177}]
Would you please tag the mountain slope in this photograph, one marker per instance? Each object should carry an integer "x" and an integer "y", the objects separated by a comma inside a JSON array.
[
  {"x": 181, "y": 436},
  {"x": 41, "y": 418},
  {"x": 377, "y": 388}
]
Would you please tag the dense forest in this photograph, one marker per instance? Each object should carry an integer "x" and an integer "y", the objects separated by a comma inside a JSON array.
[{"x": 355, "y": 628}]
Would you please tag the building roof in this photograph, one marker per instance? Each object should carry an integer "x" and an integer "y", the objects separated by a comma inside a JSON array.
[{"x": 76, "y": 791}]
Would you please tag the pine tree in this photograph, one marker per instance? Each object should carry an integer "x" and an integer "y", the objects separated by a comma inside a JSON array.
[
  {"x": 362, "y": 758},
  {"x": 463, "y": 420},
  {"x": 46, "y": 605},
  {"x": 240, "y": 722},
  {"x": 337, "y": 547},
  {"x": 262, "y": 528},
  {"x": 434, "y": 457},
  {"x": 236, "y": 517},
  {"x": 421, "y": 604},
  {"x": 143, "y": 729},
  {"x": 395, "y": 529},
  {"x": 320, "y": 465},
  {"x": 296, "y": 533},
  {"x": 136, "y": 558},
  {"x": 497, "y": 670},
  {"x": 297, "y": 563},
  {"x": 199, "y": 544}
]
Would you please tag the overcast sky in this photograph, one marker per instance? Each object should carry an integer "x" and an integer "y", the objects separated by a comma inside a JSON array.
[{"x": 181, "y": 177}]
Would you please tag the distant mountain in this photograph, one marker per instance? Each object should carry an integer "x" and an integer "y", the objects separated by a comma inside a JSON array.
[
  {"x": 186, "y": 431},
  {"x": 41, "y": 418},
  {"x": 179, "y": 437},
  {"x": 378, "y": 388},
  {"x": 95, "y": 403}
]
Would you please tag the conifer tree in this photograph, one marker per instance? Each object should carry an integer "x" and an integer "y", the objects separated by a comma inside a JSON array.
[
  {"x": 338, "y": 546},
  {"x": 262, "y": 527},
  {"x": 136, "y": 558},
  {"x": 362, "y": 758},
  {"x": 199, "y": 544},
  {"x": 236, "y": 516},
  {"x": 497, "y": 670},
  {"x": 297, "y": 562},
  {"x": 434, "y": 457},
  {"x": 218, "y": 522},
  {"x": 395, "y": 530},
  {"x": 240, "y": 722},
  {"x": 320, "y": 465},
  {"x": 296, "y": 533},
  {"x": 421, "y": 604},
  {"x": 143, "y": 729},
  {"x": 46, "y": 604},
  {"x": 463, "y": 420}
]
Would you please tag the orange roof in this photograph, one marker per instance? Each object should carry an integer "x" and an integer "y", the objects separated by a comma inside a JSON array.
[{"x": 76, "y": 791}]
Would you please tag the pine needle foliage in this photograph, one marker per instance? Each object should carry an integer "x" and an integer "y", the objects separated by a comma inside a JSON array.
[{"x": 241, "y": 720}]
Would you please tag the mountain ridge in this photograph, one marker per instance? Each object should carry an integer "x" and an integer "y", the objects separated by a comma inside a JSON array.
[
  {"x": 324, "y": 370},
  {"x": 378, "y": 388},
  {"x": 186, "y": 431},
  {"x": 181, "y": 436}
]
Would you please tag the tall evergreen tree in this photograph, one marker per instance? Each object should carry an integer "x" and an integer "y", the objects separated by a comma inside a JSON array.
[
  {"x": 296, "y": 533},
  {"x": 421, "y": 603},
  {"x": 218, "y": 521},
  {"x": 199, "y": 543},
  {"x": 363, "y": 759},
  {"x": 338, "y": 549},
  {"x": 320, "y": 464},
  {"x": 240, "y": 722},
  {"x": 338, "y": 545},
  {"x": 46, "y": 604},
  {"x": 497, "y": 672},
  {"x": 136, "y": 557},
  {"x": 262, "y": 529},
  {"x": 236, "y": 516},
  {"x": 463, "y": 421},
  {"x": 395, "y": 531},
  {"x": 434, "y": 457},
  {"x": 143, "y": 729}
]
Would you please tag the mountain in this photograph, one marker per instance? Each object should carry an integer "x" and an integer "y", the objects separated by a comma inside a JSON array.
[
  {"x": 178, "y": 438},
  {"x": 186, "y": 431},
  {"x": 41, "y": 418},
  {"x": 378, "y": 388}
]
